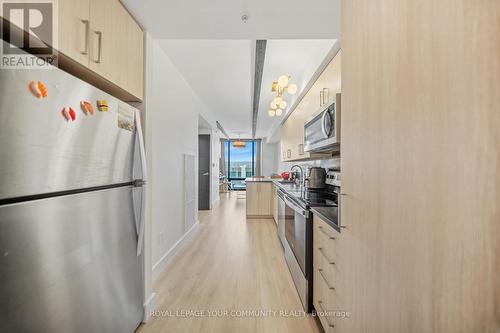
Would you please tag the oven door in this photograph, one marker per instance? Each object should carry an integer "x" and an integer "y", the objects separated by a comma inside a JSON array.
[{"x": 296, "y": 232}]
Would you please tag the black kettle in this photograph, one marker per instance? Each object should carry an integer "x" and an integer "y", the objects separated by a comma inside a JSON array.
[{"x": 316, "y": 178}]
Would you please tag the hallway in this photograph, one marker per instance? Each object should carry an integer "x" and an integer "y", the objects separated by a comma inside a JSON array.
[{"x": 230, "y": 265}]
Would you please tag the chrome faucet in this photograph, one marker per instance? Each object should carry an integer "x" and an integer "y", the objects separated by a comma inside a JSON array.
[{"x": 302, "y": 177}]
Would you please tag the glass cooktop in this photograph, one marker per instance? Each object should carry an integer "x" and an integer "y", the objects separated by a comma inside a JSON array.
[{"x": 315, "y": 198}]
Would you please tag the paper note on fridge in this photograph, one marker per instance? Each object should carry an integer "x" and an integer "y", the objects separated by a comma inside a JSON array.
[{"x": 126, "y": 118}]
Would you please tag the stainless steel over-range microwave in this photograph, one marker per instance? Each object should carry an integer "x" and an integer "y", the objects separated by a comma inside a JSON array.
[{"x": 322, "y": 129}]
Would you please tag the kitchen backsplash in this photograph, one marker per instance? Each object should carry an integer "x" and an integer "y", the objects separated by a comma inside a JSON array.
[{"x": 325, "y": 163}]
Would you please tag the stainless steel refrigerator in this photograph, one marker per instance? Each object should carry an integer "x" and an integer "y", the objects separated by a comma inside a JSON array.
[{"x": 72, "y": 171}]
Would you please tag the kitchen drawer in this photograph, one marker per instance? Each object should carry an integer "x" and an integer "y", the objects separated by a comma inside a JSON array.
[
  {"x": 323, "y": 300},
  {"x": 326, "y": 268},
  {"x": 325, "y": 237}
]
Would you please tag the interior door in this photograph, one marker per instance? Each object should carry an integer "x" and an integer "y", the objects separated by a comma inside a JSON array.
[{"x": 204, "y": 172}]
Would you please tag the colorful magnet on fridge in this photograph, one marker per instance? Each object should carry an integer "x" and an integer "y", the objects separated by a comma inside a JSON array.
[
  {"x": 38, "y": 89},
  {"x": 87, "y": 107},
  {"x": 102, "y": 105},
  {"x": 68, "y": 114}
]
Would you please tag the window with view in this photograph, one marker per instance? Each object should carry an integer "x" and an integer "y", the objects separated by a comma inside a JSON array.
[{"x": 240, "y": 161}]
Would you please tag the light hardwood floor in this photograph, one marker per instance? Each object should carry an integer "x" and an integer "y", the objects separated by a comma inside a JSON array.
[{"x": 230, "y": 264}]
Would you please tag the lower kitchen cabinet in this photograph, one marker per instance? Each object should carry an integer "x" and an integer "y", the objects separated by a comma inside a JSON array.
[
  {"x": 259, "y": 199},
  {"x": 325, "y": 273}
]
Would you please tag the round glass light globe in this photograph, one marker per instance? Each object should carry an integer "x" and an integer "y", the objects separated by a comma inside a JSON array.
[
  {"x": 272, "y": 113},
  {"x": 292, "y": 89},
  {"x": 279, "y": 112},
  {"x": 283, "y": 80},
  {"x": 283, "y": 105}
]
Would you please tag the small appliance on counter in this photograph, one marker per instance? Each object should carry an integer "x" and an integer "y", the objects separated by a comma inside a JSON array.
[{"x": 316, "y": 178}]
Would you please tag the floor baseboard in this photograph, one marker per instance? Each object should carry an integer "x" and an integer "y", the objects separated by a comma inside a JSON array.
[
  {"x": 161, "y": 264},
  {"x": 149, "y": 307}
]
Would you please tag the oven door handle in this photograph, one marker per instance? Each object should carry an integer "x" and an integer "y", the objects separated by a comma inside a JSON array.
[{"x": 296, "y": 208}]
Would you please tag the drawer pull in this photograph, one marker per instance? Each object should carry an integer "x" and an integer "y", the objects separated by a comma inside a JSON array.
[
  {"x": 326, "y": 317},
  {"x": 322, "y": 251},
  {"x": 323, "y": 231},
  {"x": 324, "y": 278}
]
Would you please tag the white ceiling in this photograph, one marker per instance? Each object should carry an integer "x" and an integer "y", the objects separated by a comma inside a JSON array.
[
  {"x": 215, "y": 51},
  {"x": 221, "y": 72},
  {"x": 298, "y": 58},
  {"x": 221, "y": 19}
]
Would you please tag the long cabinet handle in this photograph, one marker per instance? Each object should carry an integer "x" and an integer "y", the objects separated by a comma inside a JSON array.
[
  {"x": 86, "y": 44},
  {"x": 326, "y": 317},
  {"x": 324, "y": 278},
  {"x": 322, "y": 251},
  {"x": 99, "y": 46},
  {"x": 325, "y": 233}
]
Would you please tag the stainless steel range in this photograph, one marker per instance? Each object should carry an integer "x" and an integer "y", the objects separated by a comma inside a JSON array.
[{"x": 298, "y": 234}]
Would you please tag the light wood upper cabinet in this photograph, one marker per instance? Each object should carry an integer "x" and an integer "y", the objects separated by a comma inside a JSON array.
[
  {"x": 104, "y": 46},
  {"x": 74, "y": 27},
  {"x": 102, "y": 36},
  {"x": 135, "y": 59},
  {"x": 292, "y": 132}
]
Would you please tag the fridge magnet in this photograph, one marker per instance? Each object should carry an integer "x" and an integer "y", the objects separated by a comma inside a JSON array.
[
  {"x": 126, "y": 119},
  {"x": 68, "y": 113},
  {"x": 38, "y": 89},
  {"x": 87, "y": 107},
  {"x": 102, "y": 105}
]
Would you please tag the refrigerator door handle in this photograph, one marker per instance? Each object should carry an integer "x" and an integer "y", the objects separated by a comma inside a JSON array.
[{"x": 141, "y": 182}]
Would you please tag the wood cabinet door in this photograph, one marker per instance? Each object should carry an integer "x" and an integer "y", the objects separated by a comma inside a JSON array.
[
  {"x": 135, "y": 58},
  {"x": 107, "y": 37},
  {"x": 116, "y": 46},
  {"x": 74, "y": 30},
  {"x": 284, "y": 141},
  {"x": 252, "y": 199},
  {"x": 265, "y": 198}
]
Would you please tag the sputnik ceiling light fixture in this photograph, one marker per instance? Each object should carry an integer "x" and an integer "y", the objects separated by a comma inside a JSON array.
[{"x": 281, "y": 86}]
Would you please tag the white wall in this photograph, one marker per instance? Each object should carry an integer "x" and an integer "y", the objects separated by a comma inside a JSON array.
[
  {"x": 270, "y": 158},
  {"x": 172, "y": 110}
]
